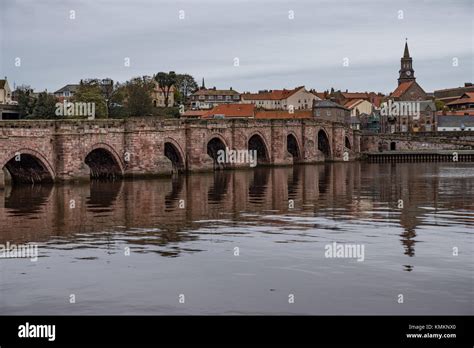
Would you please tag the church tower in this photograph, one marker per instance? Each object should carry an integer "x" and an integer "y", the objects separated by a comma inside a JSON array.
[{"x": 407, "y": 73}]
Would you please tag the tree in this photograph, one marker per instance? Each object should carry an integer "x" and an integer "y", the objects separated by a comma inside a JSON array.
[
  {"x": 185, "y": 85},
  {"x": 90, "y": 92},
  {"x": 439, "y": 105},
  {"x": 45, "y": 106},
  {"x": 107, "y": 87},
  {"x": 26, "y": 100},
  {"x": 165, "y": 82},
  {"x": 138, "y": 96}
]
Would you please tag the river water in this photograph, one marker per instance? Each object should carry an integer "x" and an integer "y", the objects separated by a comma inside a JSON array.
[{"x": 246, "y": 242}]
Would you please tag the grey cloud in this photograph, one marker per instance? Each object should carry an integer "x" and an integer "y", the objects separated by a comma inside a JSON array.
[{"x": 274, "y": 51}]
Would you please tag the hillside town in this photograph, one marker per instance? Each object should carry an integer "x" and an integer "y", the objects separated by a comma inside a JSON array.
[{"x": 408, "y": 108}]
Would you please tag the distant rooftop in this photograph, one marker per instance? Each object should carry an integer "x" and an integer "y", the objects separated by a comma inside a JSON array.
[{"x": 70, "y": 88}]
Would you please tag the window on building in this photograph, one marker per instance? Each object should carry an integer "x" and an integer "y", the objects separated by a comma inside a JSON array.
[
  {"x": 220, "y": 97},
  {"x": 318, "y": 113},
  {"x": 328, "y": 112},
  {"x": 202, "y": 97},
  {"x": 227, "y": 97},
  {"x": 236, "y": 97}
]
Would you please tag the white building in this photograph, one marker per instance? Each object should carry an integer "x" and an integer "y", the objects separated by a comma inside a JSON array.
[{"x": 282, "y": 99}]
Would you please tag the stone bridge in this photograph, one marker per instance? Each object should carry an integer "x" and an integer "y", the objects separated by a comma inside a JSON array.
[{"x": 62, "y": 150}]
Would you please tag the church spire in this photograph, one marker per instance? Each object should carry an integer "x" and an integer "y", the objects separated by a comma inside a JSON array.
[
  {"x": 203, "y": 85},
  {"x": 406, "y": 71},
  {"x": 406, "y": 54}
]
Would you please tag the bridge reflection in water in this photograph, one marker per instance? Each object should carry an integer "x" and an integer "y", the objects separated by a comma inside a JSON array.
[{"x": 286, "y": 213}]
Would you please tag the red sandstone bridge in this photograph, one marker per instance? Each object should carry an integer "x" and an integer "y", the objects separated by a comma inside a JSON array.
[{"x": 62, "y": 150}]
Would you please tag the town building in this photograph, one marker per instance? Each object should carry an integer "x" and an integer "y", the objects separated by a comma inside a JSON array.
[
  {"x": 5, "y": 92},
  {"x": 465, "y": 102},
  {"x": 158, "y": 96},
  {"x": 205, "y": 98},
  {"x": 194, "y": 113},
  {"x": 450, "y": 94},
  {"x": 359, "y": 106},
  {"x": 66, "y": 92},
  {"x": 283, "y": 99},
  {"x": 455, "y": 123},
  {"x": 408, "y": 108},
  {"x": 320, "y": 95},
  {"x": 8, "y": 106},
  {"x": 347, "y": 97},
  {"x": 330, "y": 111}
]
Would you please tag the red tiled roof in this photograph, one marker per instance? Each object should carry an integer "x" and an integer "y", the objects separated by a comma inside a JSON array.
[
  {"x": 377, "y": 100},
  {"x": 467, "y": 97},
  {"x": 319, "y": 94},
  {"x": 194, "y": 113},
  {"x": 355, "y": 95},
  {"x": 402, "y": 88},
  {"x": 353, "y": 102},
  {"x": 283, "y": 114},
  {"x": 276, "y": 94},
  {"x": 231, "y": 110}
]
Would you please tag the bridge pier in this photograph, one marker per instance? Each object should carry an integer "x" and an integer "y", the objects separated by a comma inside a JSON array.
[
  {"x": 5, "y": 178},
  {"x": 2, "y": 179}
]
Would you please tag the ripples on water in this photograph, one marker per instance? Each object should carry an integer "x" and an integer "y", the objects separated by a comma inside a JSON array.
[{"x": 182, "y": 234}]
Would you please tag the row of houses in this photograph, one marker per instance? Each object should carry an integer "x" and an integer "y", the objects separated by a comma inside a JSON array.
[
  {"x": 407, "y": 109},
  {"x": 415, "y": 110}
]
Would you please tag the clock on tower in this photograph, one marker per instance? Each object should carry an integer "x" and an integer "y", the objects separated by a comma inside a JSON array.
[{"x": 406, "y": 71}]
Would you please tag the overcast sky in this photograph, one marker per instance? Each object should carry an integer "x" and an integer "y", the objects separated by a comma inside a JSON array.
[{"x": 273, "y": 50}]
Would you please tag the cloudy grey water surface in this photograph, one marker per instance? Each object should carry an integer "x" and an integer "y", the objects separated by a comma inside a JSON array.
[{"x": 246, "y": 242}]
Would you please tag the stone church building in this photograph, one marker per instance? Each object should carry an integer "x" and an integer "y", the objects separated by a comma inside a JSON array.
[{"x": 410, "y": 95}]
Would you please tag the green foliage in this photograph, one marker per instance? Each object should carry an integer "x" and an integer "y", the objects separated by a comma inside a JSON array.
[
  {"x": 45, "y": 106},
  {"x": 185, "y": 86},
  {"x": 165, "y": 82},
  {"x": 26, "y": 101},
  {"x": 107, "y": 88},
  {"x": 138, "y": 101},
  {"x": 439, "y": 105},
  {"x": 91, "y": 93},
  {"x": 169, "y": 112}
]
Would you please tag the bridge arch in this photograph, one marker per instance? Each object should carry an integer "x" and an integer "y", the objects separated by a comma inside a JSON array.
[
  {"x": 292, "y": 146},
  {"x": 27, "y": 166},
  {"x": 216, "y": 143},
  {"x": 347, "y": 142},
  {"x": 257, "y": 142},
  {"x": 323, "y": 143},
  {"x": 104, "y": 162},
  {"x": 175, "y": 154}
]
